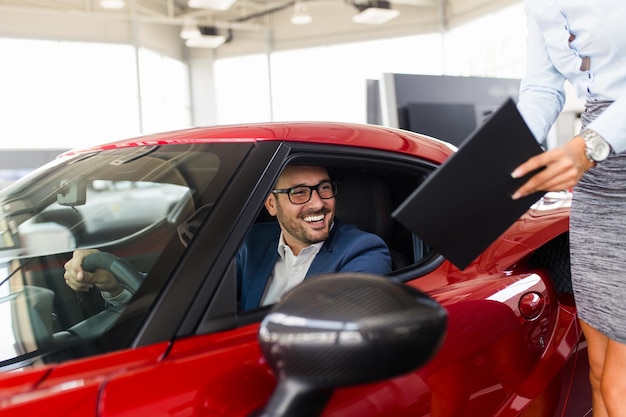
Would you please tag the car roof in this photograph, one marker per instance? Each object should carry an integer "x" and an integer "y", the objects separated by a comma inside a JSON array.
[{"x": 337, "y": 133}]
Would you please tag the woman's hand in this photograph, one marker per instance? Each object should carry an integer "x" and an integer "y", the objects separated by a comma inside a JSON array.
[{"x": 564, "y": 166}]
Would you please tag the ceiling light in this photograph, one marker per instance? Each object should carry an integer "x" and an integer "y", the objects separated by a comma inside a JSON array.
[
  {"x": 300, "y": 14},
  {"x": 378, "y": 12},
  {"x": 190, "y": 29},
  {"x": 205, "y": 42},
  {"x": 211, "y": 4},
  {"x": 209, "y": 38},
  {"x": 112, "y": 4}
]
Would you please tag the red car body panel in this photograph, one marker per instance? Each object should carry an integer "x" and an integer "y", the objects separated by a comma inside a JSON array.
[
  {"x": 512, "y": 365},
  {"x": 70, "y": 389},
  {"x": 323, "y": 133}
]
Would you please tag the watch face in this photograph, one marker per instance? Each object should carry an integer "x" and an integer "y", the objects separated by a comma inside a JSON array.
[{"x": 597, "y": 149}]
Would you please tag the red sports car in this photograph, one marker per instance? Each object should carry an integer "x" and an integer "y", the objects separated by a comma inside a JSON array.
[{"x": 169, "y": 213}]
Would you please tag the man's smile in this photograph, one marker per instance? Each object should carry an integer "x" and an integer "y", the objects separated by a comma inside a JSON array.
[{"x": 314, "y": 218}]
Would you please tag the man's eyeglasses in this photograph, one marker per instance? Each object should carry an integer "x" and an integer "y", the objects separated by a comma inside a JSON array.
[{"x": 302, "y": 193}]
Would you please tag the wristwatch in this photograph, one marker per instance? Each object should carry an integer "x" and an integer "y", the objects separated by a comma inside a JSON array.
[{"x": 596, "y": 148}]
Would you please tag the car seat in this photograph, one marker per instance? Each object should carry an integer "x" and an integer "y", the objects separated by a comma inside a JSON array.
[{"x": 365, "y": 201}]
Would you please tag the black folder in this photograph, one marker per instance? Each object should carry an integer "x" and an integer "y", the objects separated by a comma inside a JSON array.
[{"x": 466, "y": 204}]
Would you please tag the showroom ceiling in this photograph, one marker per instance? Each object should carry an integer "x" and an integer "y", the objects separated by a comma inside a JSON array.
[{"x": 253, "y": 24}]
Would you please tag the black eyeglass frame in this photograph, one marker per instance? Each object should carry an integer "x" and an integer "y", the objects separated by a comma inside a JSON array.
[{"x": 311, "y": 188}]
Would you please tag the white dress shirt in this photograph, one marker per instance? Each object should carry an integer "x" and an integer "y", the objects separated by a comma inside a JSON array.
[
  {"x": 594, "y": 63},
  {"x": 290, "y": 270}
]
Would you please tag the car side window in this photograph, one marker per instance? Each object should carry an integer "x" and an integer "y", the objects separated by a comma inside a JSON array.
[{"x": 365, "y": 199}]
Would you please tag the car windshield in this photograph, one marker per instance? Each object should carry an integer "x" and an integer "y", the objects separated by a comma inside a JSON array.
[{"x": 130, "y": 202}]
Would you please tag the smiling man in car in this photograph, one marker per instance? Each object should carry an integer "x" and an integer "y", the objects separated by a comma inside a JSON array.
[{"x": 306, "y": 240}]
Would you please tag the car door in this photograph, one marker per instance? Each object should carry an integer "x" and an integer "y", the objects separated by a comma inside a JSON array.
[
  {"x": 214, "y": 366},
  {"x": 43, "y": 372}
]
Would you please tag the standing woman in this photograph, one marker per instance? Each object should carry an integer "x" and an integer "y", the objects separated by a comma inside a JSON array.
[{"x": 584, "y": 42}]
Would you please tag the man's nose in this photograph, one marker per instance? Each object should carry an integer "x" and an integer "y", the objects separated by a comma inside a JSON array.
[{"x": 315, "y": 199}]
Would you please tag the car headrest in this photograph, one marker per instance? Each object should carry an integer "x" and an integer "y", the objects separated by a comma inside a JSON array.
[{"x": 365, "y": 201}]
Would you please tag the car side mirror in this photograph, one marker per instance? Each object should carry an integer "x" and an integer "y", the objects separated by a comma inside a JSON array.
[{"x": 345, "y": 329}]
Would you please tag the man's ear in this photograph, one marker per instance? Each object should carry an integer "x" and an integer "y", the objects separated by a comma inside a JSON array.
[{"x": 270, "y": 204}]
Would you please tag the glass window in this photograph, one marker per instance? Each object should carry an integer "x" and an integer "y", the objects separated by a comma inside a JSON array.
[
  {"x": 242, "y": 90},
  {"x": 165, "y": 97},
  {"x": 54, "y": 93}
]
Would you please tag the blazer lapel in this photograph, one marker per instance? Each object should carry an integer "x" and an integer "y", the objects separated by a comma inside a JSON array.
[
  {"x": 261, "y": 280},
  {"x": 323, "y": 258}
]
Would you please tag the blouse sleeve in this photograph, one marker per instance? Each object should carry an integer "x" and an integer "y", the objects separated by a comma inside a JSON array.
[{"x": 542, "y": 93}]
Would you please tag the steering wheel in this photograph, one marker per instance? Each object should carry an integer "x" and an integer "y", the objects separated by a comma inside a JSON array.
[
  {"x": 123, "y": 271},
  {"x": 100, "y": 321}
]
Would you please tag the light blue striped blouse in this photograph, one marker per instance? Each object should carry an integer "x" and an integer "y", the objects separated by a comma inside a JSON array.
[{"x": 593, "y": 60}]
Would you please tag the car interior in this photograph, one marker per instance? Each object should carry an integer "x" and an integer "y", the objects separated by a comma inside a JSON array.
[
  {"x": 367, "y": 196},
  {"x": 370, "y": 190}
]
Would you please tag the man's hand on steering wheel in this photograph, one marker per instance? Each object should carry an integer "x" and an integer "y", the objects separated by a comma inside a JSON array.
[{"x": 81, "y": 280}]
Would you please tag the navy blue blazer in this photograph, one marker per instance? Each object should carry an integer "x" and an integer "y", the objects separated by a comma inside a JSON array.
[{"x": 347, "y": 249}]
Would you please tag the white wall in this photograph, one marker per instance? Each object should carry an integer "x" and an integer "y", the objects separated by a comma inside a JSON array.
[{"x": 64, "y": 94}]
